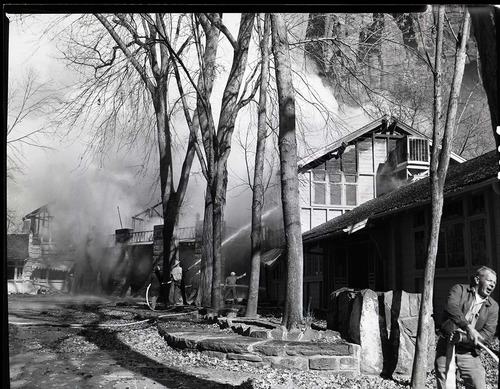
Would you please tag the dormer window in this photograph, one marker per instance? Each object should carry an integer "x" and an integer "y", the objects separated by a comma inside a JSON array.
[
  {"x": 418, "y": 149},
  {"x": 413, "y": 150}
]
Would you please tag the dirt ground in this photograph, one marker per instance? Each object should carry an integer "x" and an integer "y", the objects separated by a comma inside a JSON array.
[{"x": 58, "y": 341}]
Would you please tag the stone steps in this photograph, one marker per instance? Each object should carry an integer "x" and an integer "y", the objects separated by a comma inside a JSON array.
[{"x": 337, "y": 356}]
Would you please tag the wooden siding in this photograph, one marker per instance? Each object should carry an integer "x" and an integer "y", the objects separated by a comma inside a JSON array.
[{"x": 333, "y": 186}]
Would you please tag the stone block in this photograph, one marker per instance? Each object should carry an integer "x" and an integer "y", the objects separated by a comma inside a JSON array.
[
  {"x": 401, "y": 311},
  {"x": 270, "y": 348},
  {"x": 348, "y": 363},
  {"x": 364, "y": 329},
  {"x": 179, "y": 340},
  {"x": 291, "y": 363},
  {"x": 317, "y": 348},
  {"x": 228, "y": 344},
  {"x": 245, "y": 357},
  {"x": 324, "y": 363},
  {"x": 259, "y": 334}
]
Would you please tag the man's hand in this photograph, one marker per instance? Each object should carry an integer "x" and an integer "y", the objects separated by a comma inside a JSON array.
[
  {"x": 474, "y": 336},
  {"x": 455, "y": 337}
]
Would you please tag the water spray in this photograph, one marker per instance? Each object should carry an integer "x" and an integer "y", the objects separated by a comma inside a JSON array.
[{"x": 121, "y": 225}]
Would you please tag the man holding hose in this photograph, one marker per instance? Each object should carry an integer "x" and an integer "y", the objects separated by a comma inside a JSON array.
[{"x": 469, "y": 322}]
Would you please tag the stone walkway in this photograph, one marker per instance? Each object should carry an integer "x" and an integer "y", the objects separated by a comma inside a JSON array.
[{"x": 262, "y": 344}]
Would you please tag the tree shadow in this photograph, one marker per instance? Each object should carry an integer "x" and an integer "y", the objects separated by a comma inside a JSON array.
[
  {"x": 390, "y": 343},
  {"x": 108, "y": 341}
]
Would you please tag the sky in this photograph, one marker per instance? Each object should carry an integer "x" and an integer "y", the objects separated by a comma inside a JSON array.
[{"x": 111, "y": 194}]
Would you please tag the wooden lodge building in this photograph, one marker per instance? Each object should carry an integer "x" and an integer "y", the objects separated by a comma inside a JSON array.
[
  {"x": 381, "y": 244},
  {"x": 365, "y": 211}
]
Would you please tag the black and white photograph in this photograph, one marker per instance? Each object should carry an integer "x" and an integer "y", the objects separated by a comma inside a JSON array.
[{"x": 253, "y": 196}]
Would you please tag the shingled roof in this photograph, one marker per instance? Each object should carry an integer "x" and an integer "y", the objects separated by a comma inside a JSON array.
[{"x": 460, "y": 176}]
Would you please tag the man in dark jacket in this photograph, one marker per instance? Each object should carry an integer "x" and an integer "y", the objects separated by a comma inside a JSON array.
[{"x": 470, "y": 318}]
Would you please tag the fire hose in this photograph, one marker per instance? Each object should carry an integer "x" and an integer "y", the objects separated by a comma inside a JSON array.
[
  {"x": 98, "y": 325},
  {"x": 491, "y": 353}
]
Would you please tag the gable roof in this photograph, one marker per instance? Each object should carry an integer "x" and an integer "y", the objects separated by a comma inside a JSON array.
[
  {"x": 479, "y": 170},
  {"x": 17, "y": 246},
  {"x": 43, "y": 208},
  {"x": 382, "y": 125}
]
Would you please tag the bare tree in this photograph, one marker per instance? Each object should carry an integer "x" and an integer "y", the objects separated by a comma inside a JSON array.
[
  {"x": 127, "y": 97},
  {"x": 27, "y": 100},
  {"x": 441, "y": 150},
  {"x": 292, "y": 314},
  {"x": 219, "y": 144},
  {"x": 258, "y": 181},
  {"x": 347, "y": 48}
]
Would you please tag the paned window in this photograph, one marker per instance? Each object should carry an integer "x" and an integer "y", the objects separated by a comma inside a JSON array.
[
  {"x": 478, "y": 242},
  {"x": 420, "y": 249},
  {"x": 319, "y": 178}
]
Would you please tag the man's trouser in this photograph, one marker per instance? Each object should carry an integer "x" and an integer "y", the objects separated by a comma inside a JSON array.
[
  {"x": 467, "y": 363},
  {"x": 232, "y": 290},
  {"x": 175, "y": 294}
]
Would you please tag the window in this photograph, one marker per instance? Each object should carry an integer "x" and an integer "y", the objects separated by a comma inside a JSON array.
[
  {"x": 313, "y": 265},
  {"x": 420, "y": 249},
  {"x": 455, "y": 245},
  {"x": 478, "y": 242},
  {"x": 319, "y": 179},
  {"x": 451, "y": 250},
  {"x": 419, "y": 218},
  {"x": 351, "y": 190},
  {"x": 453, "y": 209},
  {"x": 419, "y": 238},
  {"x": 335, "y": 194},
  {"x": 418, "y": 149},
  {"x": 476, "y": 205},
  {"x": 365, "y": 150},
  {"x": 336, "y": 182},
  {"x": 349, "y": 165},
  {"x": 340, "y": 262}
]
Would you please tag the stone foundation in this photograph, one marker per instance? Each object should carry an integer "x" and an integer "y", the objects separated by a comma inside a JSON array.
[{"x": 337, "y": 356}]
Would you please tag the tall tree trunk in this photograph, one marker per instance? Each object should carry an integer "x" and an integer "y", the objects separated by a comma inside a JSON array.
[
  {"x": 207, "y": 127},
  {"x": 485, "y": 21},
  {"x": 289, "y": 176},
  {"x": 441, "y": 150},
  {"x": 222, "y": 146},
  {"x": 258, "y": 185},
  {"x": 168, "y": 198},
  {"x": 204, "y": 297}
]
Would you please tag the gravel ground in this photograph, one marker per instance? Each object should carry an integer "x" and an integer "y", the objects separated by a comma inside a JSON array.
[{"x": 109, "y": 327}]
